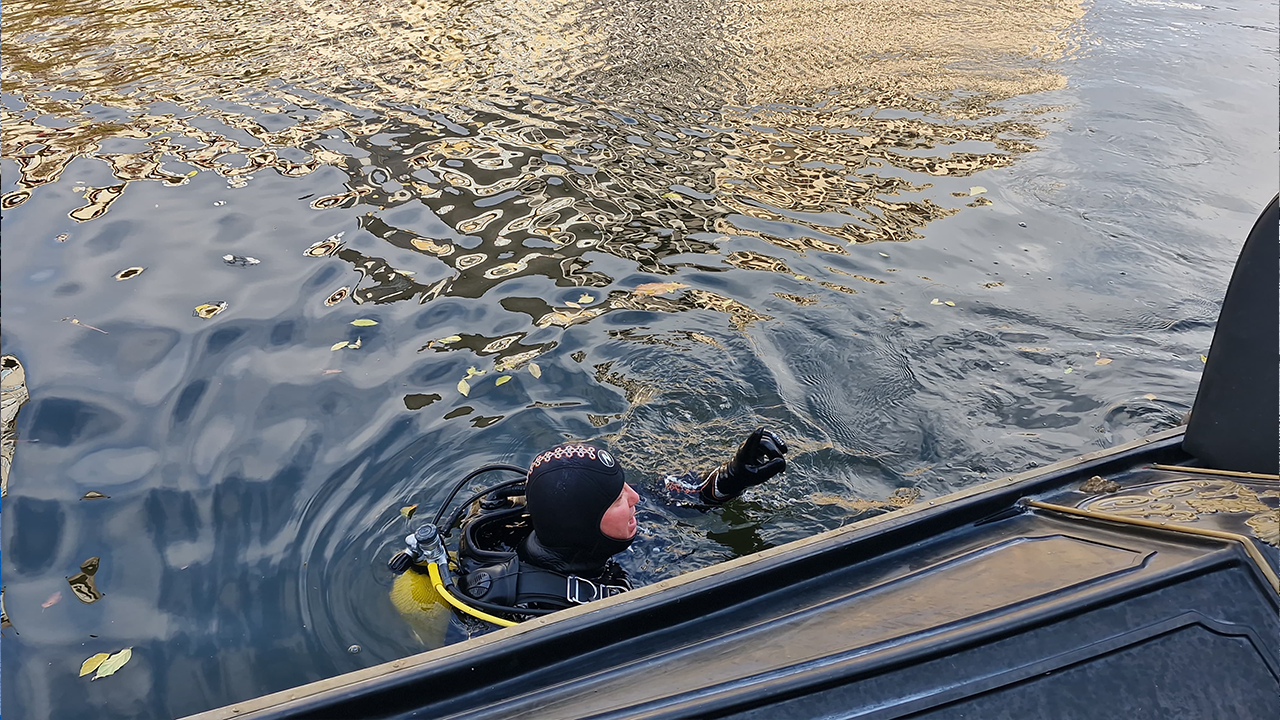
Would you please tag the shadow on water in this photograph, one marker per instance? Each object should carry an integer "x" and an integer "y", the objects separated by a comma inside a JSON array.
[{"x": 275, "y": 271}]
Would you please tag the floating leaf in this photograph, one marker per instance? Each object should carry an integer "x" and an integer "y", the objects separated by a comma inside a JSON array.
[
  {"x": 884, "y": 255},
  {"x": 53, "y": 600},
  {"x": 464, "y": 387},
  {"x": 364, "y": 322},
  {"x": 450, "y": 339},
  {"x": 407, "y": 511},
  {"x": 572, "y": 304},
  {"x": 208, "y": 310},
  {"x": 658, "y": 288},
  {"x": 241, "y": 260},
  {"x": 671, "y": 195},
  {"x": 355, "y": 345},
  {"x": 976, "y": 190},
  {"x": 193, "y": 173},
  {"x": 1067, "y": 371},
  {"x": 1150, "y": 396},
  {"x": 94, "y": 495},
  {"x": 586, "y": 299},
  {"x": 129, "y": 272},
  {"x": 502, "y": 379},
  {"x": 113, "y": 663},
  {"x": 534, "y": 370},
  {"x": 935, "y": 301},
  {"x": 472, "y": 371},
  {"x": 339, "y": 345},
  {"x": 92, "y": 663},
  {"x": 1102, "y": 361},
  {"x": 948, "y": 303},
  {"x": 1204, "y": 359}
]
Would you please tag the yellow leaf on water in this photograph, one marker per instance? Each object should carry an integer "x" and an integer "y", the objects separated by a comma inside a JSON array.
[
  {"x": 586, "y": 299},
  {"x": 95, "y": 495},
  {"x": 472, "y": 371},
  {"x": 935, "y": 301},
  {"x": 408, "y": 511},
  {"x": 502, "y": 379},
  {"x": 534, "y": 370},
  {"x": 92, "y": 663},
  {"x": 451, "y": 339},
  {"x": 671, "y": 196},
  {"x": 1102, "y": 361},
  {"x": 976, "y": 190},
  {"x": 113, "y": 663},
  {"x": 193, "y": 173},
  {"x": 339, "y": 345},
  {"x": 948, "y": 303},
  {"x": 1204, "y": 359},
  {"x": 1067, "y": 371},
  {"x": 1150, "y": 396},
  {"x": 464, "y": 387},
  {"x": 364, "y": 322},
  {"x": 208, "y": 310}
]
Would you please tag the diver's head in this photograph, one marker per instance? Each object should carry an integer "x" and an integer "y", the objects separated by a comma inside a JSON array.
[{"x": 580, "y": 504}]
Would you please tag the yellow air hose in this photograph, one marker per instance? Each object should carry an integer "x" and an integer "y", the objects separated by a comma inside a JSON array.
[{"x": 434, "y": 571}]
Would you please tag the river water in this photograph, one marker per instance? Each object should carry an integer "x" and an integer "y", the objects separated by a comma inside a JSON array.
[{"x": 930, "y": 243}]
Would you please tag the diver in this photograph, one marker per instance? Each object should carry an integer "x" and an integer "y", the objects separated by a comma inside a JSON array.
[{"x": 546, "y": 541}]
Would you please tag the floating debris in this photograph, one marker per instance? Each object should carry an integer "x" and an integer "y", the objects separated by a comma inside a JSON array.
[
  {"x": 130, "y": 272},
  {"x": 113, "y": 663},
  {"x": 95, "y": 495},
  {"x": 1099, "y": 484},
  {"x": 408, "y": 511},
  {"x": 364, "y": 322},
  {"x": 208, "y": 310},
  {"x": 76, "y": 321},
  {"x": 241, "y": 260}
]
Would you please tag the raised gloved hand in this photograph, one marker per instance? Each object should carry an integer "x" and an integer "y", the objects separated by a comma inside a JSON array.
[{"x": 759, "y": 458}]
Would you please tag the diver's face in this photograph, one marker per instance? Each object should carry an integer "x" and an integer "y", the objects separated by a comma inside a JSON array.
[{"x": 619, "y": 521}]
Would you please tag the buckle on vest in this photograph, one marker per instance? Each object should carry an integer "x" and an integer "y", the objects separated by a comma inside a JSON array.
[{"x": 575, "y": 585}]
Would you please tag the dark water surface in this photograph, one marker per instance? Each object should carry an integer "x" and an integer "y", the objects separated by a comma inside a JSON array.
[{"x": 907, "y": 234}]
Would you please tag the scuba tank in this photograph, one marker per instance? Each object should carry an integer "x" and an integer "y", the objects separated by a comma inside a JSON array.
[{"x": 487, "y": 580}]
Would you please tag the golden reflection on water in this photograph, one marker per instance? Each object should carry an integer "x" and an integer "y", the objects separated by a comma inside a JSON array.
[{"x": 541, "y": 131}]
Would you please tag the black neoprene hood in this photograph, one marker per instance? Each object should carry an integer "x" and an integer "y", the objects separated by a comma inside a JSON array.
[{"x": 570, "y": 488}]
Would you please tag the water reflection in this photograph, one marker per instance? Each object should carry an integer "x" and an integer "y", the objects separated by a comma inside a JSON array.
[{"x": 653, "y": 225}]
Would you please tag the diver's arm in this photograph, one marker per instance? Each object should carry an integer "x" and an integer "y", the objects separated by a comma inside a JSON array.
[{"x": 760, "y": 457}]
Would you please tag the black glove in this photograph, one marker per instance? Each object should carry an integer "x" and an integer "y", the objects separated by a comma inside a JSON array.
[{"x": 759, "y": 458}]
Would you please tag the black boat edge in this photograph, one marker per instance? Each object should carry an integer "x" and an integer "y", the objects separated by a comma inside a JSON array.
[{"x": 1097, "y": 586}]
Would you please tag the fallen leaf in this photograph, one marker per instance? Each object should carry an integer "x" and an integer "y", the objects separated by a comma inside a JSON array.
[
  {"x": 534, "y": 370},
  {"x": 1150, "y": 396},
  {"x": 658, "y": 288},
  {"x": 572, "y": 304},
  {"x": 330, "y": 372},
  {"x": 935, "y": 301},
  {"x": 464, "y": 388},
  {"x": 948, "y": 303},
  {"x": 1102, "y": 361},
  {"x": 408, "y": 511},
  {"x": 1204, "y": 359},
  {"x": 671, "y": 196},
  {"x": 63, "y": 237},
  {"x": 129, "y": 272},
  {"x": 472, "y": 371},
  {"x": 364, "y": 322},
  {"x": 53, "y": 600},
  {"x": 113, "y": 663},
  {"x": 208, "y": 310},
  {"x": 92, "y": 663},
  {"x": 976, "y": 190},
  {"x": 339, "y": 345},
  {"x": 586, "y": 299},
  {"x": 450, "y": 339},
  {"x": 193, "y": 173},
  {"x": 1067, "y": 371},
  {"x": 355, "y": 345},
  {"x": 884, "y": 255},
  {"x": 94, "y": 495},
  {"x": 502, "y": 379}
]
